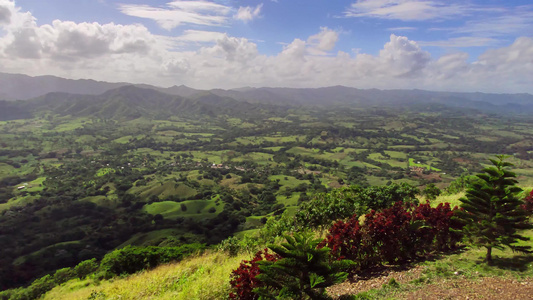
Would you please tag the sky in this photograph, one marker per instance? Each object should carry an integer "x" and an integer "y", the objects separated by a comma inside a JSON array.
[{"x": 441, "y": 45}]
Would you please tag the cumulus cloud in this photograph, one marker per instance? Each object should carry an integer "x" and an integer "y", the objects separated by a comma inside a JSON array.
[
  {"x": 131, "y": 53},
  {"x": 5, "y": 15},
  {"x": 403, "y": 57},
  {"x": 324, "y": 40},
  {"x": 200, "y": 36},
  {"x": 177, "y": 13},
  {"x": 248, "y": 13}
]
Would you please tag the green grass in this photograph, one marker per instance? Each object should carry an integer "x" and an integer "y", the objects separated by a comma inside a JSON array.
[
  {"x": 163, "y": 190},
  {"x": 146, "y": 238},
  {"x": 289, "y": 201},
  {"x": 288, "y": 181},
  {"x": 194, "y": 209},
  {"x": 204, "y": 276},
  {"x": 414, "y": 163},
  {"x": 19, "y": 201},
  {"x": 104, "y": 171},
  {"x": 389, "y": 161},
  {"x": 104, "y": 201},
  {"x": 256, "y": 157},
  {"x": 6, "y": 170},
  {"x": 252, "y": 222}
]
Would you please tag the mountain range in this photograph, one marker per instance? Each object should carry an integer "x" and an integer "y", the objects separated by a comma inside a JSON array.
[{"x": 124, "y": 100}]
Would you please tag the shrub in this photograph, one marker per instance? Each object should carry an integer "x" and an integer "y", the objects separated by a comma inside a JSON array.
[
  {"x": 85, "y": 268},
  {"x": 63, "y": 275},
  {"x": 342, "y": 203},
  {"x": 528, "y": 203},
  {"x": 442, "y": 226},
  {"x": 129, "y": 259},
  {"x": 302, "y": 270},
  {"x": 392, "y": 233},
  {"x": 396, "y": 234},
  {"x": 244, "y": 278},
  {"x": 347, "y": 240}
]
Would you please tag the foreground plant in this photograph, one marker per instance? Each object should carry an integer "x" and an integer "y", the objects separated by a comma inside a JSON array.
[
  {"x": 492, "y": 211},
  {"x": 303, "y": 272}
]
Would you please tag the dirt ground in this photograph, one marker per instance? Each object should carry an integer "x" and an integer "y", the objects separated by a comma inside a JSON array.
[{"x": 442, "y": 288}]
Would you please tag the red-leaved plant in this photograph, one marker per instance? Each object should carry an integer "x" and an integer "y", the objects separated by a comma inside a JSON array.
[
  {"x": 393, "y": 235},
  {"x": 243, "y": 279},
  {"x": 528, "y": 203}
]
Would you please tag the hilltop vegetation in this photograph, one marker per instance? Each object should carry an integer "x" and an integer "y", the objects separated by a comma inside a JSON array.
[{"x": 83, "y": 175}]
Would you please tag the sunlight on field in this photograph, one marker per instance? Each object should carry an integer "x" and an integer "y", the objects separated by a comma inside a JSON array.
[{"x": 200, "y": 277}]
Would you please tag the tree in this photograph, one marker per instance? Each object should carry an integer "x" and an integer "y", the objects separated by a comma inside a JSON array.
[
  {"x": 431, "y": 191},
  {"x": 492, "y": 212}
]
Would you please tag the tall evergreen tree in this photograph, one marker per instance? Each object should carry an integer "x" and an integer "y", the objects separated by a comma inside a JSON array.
[{"x": 492, "y": 211}]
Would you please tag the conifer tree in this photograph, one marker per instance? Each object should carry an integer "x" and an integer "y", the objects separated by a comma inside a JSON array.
[
  {"x": 303, "y": 272},
  {"x": 492, "y": 212}
]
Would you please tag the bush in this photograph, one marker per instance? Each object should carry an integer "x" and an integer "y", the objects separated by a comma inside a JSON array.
[
  {"x": 528, "y": 203},
  {"x": 393, "y": 235},
  {"x": 63, "y": 275},
  {"x": 129, "y": 259},
  {"x": 244, "y": 278},
  {"x": 344, "y": 202},
  {"x": 85, "y": 268}
]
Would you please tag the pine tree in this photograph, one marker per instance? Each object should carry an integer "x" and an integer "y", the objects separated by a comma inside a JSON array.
[
  {"x": 303, "y": 272},
  {"x": 492, "y": 212}
]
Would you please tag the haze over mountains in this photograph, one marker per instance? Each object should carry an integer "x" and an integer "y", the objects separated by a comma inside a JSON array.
[{"x": 124, "y": 100}]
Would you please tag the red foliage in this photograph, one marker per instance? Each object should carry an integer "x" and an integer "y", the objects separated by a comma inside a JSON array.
[
  {"x": 440, "y": 221},
  {"x": 389, "y": 230},
  {"x": 394, "y": 234},
  {"x": 347, "y": 240},
  {"x": 243, "y": 279},
  {"x": 528, "y": 203}
]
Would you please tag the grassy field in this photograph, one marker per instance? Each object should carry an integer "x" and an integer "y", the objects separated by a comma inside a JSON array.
[
  {"x": 163, "y": 189},
  {"x": 205, "y": 276},
  {"x": 190, "y": 208}
]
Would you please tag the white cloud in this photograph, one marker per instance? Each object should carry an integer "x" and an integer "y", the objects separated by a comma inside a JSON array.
[
  {"x": 404, "y": 28},
  {"x": 460, "y": 42},
  {"x": 248, "y": 13},
  {"x": 131, "y": 53},
  {"x": 406, "y": 10},
  {"x": 178, "y": 13},
  {"x": 5, "y": 15},
  {"x": 516, "y": 21},
  {"x": 324, "y": 40},
  {"x": 200, "y": 36}
]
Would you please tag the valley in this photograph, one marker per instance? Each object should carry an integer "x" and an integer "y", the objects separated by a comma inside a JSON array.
[{"x": 82, "y": 175}]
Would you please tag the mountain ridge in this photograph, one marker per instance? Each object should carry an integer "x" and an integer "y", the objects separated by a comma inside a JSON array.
[{"x": 144, "y": 98}]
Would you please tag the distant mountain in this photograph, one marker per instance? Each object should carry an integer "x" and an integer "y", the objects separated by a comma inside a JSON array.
[
  {"x": 130, "y": 102},
  {"x": 181, "y": 90},
  {"x": 341, "y": 95},
  {"x": 23, "y": 87}
]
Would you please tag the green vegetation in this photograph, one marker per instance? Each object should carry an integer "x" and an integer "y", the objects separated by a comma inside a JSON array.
[
  {"x": 77, "y": 183},
  {"x": 303, "y": 269},
  {"x": 492, "y": 211}
]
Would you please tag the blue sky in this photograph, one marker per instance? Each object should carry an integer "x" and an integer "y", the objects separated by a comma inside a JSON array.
[{"x": 429, "y": 44}]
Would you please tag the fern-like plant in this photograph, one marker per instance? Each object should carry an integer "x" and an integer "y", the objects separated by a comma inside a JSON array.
[{"x": 303, "y": 272}]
